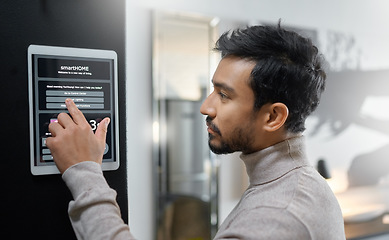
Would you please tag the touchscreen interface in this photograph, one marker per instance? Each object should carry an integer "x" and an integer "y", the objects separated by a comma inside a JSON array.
[{"x": 89, "y": 81}]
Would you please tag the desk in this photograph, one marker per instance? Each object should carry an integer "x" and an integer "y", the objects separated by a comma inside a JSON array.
[{"x": 366, "y": 212}]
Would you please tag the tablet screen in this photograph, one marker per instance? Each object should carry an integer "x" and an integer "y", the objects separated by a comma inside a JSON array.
[{"x": 89, "y": 77}]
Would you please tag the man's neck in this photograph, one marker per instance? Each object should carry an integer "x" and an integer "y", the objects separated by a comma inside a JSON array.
[{"x": 273, "y": 139}]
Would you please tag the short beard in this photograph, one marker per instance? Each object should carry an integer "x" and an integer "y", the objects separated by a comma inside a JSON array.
[
  {"x": 241, "y": 142},
  {"x": 224, "y": 148}
]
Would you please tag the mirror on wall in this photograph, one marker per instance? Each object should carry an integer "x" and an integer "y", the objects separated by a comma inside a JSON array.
[{"x": 186, "y": 172}]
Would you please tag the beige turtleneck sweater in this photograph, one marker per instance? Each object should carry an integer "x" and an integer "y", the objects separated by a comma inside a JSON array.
[{"x": 286, "y": 199}]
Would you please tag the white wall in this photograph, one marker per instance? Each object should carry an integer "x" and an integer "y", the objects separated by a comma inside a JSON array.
[
  {"x": 359, "y": 18},
  {"x": 139, "y": 122}
]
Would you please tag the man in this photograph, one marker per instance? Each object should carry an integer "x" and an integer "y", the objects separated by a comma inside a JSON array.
[{"x": 267, "y": 83}]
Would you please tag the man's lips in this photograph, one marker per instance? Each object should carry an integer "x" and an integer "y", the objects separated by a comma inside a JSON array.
[{"x": 212, "y": 128}]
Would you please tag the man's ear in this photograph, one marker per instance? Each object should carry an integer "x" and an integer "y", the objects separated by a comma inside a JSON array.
[{"x": 277, "y": 113}]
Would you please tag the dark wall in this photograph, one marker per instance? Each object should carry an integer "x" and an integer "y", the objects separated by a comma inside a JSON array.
[{"x": 36, "y": 206}]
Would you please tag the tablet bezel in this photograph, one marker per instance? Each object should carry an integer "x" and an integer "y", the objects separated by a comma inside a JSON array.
[{"x": 77, "y": 53}]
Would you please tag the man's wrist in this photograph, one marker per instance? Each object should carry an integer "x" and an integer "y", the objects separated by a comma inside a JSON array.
[{"x": 83, "y": 177}]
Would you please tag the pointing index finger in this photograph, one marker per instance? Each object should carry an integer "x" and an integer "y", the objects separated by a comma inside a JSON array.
[{"x": 76, "y": 114}]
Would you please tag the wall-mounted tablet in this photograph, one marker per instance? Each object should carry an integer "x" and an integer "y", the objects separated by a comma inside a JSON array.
[{"x": 87, "y": 76}]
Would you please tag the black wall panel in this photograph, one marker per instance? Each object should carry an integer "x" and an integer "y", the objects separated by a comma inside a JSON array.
[{"x": 36, "y": 206}]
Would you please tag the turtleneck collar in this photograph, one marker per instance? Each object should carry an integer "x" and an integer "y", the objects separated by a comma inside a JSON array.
[{"x": 275, "y": 161}]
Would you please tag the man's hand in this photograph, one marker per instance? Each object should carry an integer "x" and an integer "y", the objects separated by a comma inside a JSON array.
[{"x": 73, "y": 140}]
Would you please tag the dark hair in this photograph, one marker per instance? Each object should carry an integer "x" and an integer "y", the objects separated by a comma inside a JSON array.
[{"x": 288, "y": 69}]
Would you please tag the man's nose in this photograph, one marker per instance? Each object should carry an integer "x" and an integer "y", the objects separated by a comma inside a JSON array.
[{"x": 207, "y": 108}]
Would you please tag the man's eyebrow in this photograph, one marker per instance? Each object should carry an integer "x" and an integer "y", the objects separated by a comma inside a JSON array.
[{"x": 223, "y": 86}]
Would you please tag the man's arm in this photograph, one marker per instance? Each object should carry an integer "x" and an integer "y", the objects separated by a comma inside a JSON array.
[
  {"x": 94, "y": 213},
  {"x": 78, "y": 154}
]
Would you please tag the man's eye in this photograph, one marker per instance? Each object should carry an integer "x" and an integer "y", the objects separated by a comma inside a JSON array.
[{"x": 222, "y": 95}]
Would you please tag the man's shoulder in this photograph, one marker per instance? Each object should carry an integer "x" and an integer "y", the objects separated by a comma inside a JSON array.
[
  {"x": 301, "y": 194},
  {"x": 316, "y": 206},
  {"x": 290, "y": 187},
  {"x": 312, "y": 188}
]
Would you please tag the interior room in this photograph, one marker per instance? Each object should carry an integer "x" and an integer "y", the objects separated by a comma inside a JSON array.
[
  {"x": 347, "y": 132},
  {"x": 160, "y": 60}
]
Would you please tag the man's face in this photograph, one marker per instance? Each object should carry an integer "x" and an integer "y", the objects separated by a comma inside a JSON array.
[{"x": 231, "y": 120}]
